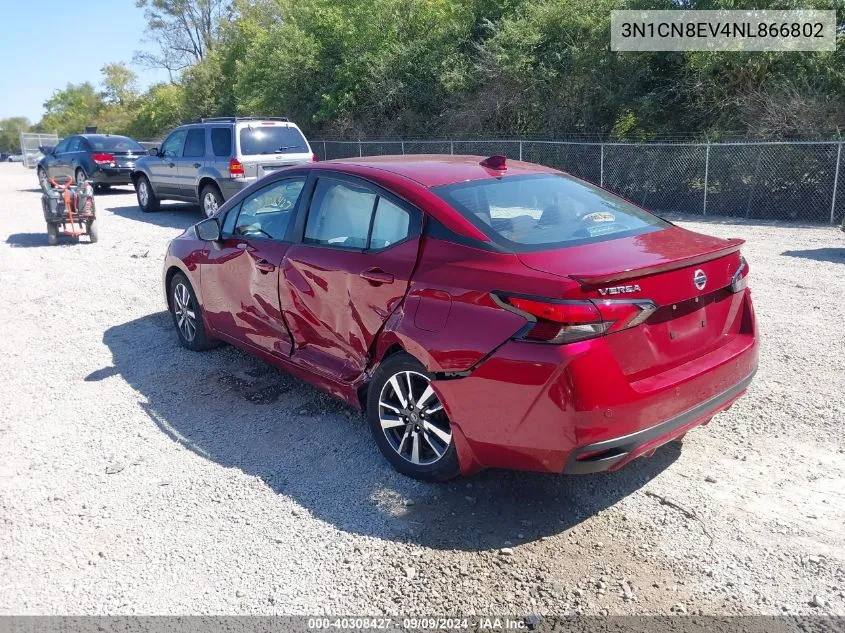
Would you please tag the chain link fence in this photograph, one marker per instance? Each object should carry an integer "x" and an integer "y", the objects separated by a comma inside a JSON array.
[
  {"x": 794, "y": 181},
  {"x": 30, "y": 142}
]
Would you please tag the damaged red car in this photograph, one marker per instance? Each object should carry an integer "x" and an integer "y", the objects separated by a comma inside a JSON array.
[{"x": 482, "y": 312}]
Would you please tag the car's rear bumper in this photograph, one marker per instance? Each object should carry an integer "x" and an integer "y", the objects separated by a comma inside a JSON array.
[
  {"x": 232, "y": 186},
  {"x": 570, "y": 408},
  {"x": 616, "y": 452},
  {"x": 111, "y": 175}
]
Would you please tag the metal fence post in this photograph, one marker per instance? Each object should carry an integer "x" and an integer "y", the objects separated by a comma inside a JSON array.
[
  {"x": 403, "y": 148},
  {"x": 706, "y": 177},
  {"x": 325, "y": 152},
  {"x": 835, "y": 183},
  {"x": 451, "y": 146},
  {"x": 360, "y": 148},
  {"x": 520, "y": 150},
  {"x": 601, "y": 166}
]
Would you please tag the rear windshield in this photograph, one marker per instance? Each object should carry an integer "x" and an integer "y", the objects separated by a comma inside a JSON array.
[
  {"x": 115, "y": 144},
  {"x": 537, "y": 212},
  {"x": 272, "y": 139}
]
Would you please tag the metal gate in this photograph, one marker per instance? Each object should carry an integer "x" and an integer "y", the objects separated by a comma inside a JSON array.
[{"x": 30, "y": 142}]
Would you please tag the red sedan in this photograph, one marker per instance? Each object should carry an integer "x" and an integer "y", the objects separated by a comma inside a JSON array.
[{"x": 483, "y": 313}]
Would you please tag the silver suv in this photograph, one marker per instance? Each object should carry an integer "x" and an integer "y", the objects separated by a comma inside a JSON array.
[{"x": 210, "y": 161}]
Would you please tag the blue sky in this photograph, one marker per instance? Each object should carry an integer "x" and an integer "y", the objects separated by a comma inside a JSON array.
[{"x": 46, "y": 44}]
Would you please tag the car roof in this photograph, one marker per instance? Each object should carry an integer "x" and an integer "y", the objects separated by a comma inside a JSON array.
[{"x": 434, "y": 170}]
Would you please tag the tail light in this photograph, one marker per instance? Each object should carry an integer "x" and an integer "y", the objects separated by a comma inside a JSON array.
[
  {"x": 236, "y": 168},
  {"x": 313, "y": 158},
  {"x": 563, "y": 321},
  {"x": 102, "y": 159},
  {"x": 739, "y": 281}
]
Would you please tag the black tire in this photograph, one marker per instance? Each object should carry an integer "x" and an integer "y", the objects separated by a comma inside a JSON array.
[
  {"x": 93, "y": 231},
  {"x": 443, "y": 467},
  {"x": 43, "y": 180},
  {"x": 52, "y": 234},
  {"x": 147, "y": 199},
  {"x": 210, "y": 209},
  {"x": 80, "y": 176},
  {"x": 200, "y": 340}
]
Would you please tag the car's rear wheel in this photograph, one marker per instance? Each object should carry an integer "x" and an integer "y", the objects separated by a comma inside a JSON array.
[
  {"x": 81, "y": 176},
  {"x": 43, "y": 180},
  {"x": 147, "y": 199},
  {"x": 187, "y": 315},
  {"x": 210, "y": 200},
  {"x": 408, "y": 421}
]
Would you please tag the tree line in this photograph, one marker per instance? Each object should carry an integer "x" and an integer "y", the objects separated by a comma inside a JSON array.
[{"x": 420, "y": 68}]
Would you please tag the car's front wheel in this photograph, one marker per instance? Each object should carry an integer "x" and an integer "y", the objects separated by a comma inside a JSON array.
[
  {"x": 187, "y": 315},
  {"x": 147, "y": 199},
  {"x": 408, "y": 421}
]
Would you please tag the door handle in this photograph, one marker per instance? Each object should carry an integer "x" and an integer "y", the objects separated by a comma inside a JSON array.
[
  {"x": 377, "y": 276},
  {"x": 197, "y": 165},
  {"x": 264, "y": 266},
  {"x": 171, "y": 164},
  {"x": 242, "y": 245}
]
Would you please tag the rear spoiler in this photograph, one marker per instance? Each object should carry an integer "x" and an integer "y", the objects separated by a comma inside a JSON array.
[{"x": 588, "y": 279}]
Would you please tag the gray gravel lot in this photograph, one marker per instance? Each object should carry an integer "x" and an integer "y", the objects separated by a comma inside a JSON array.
[{"x": 139, "y": 477}]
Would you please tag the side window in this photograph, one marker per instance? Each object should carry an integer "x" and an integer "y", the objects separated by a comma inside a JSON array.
[
  {"x": 221, "y": 141},
  {"x": 267, "y": 212},
  {"x": 340, "y": 215},
  {"x": 172, "y": 146},
  {"x": 75, "y": 145},
  {"x": 62, "y": 146},
  {"x": 195, "y": 143},
  {"x": 391, "y": 224}
]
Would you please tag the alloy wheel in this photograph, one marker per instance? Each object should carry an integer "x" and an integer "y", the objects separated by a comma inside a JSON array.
[
  {"x": 209, "y": 204},
  {"x": 80, "y": 177},
  {"x": 412, "y": 418},
  {"x": 143, "y": 193},
  {"x": 42, "y": 179},
  {"x": 183, "y": 309}
]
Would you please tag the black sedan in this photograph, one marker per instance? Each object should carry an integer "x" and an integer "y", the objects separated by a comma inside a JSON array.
[{"x": 104, "y": 159}]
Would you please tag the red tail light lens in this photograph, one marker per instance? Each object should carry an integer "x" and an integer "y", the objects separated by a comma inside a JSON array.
[
  {"x": 556, "y": 321},
  {"x": 236, "y": 168},
  {"x": 313, "y": 158},
  {"x": 102, "y": 159}
]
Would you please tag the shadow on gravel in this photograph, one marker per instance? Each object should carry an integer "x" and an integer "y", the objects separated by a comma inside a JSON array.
[
  {"x": 30, "y": 240},
  {"x": 176, "y": 216},
  {"x": 835, "y": 255},
  {"x": 239, "y": 412}
]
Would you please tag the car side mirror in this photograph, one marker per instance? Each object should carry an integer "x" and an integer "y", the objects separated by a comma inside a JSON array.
[
  {"x": 153, "y": 151},
  {"x": 208, "y": 230},
  {"x": 47, "y": 150}
]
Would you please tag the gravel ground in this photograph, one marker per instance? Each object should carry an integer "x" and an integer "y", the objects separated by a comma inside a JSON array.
[{"x": 139, "y": 477}]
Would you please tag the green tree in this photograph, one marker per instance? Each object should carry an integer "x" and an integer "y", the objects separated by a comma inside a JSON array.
[
  {"x": 161, "y": 108},
  {"x": 70, "y": 110},
  {"x": 120, "y": 84},
  {"x": 10, "y": 133},
  {"x": 184, "y": 31}
]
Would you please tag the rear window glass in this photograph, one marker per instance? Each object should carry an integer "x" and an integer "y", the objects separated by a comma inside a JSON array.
[
  {"x": 529, "y": 213},
  {"x": 221, "y": 141},
  {"x": 272, "y": 139},
  {"x": 114, "y": 144}
]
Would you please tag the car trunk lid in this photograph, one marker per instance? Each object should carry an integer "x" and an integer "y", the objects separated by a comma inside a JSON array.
[{"x": 687, "y": 275}]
